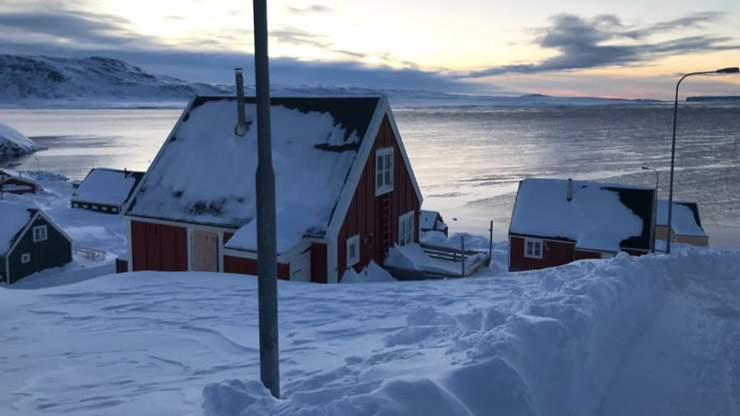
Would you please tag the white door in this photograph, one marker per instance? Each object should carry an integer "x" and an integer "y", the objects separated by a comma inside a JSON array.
[
  {"x": 300, "y": 268},
  {"x": 205, "y": 251}
]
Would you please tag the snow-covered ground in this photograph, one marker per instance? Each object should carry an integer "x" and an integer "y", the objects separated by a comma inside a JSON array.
[{"x": 651, "y": 335}]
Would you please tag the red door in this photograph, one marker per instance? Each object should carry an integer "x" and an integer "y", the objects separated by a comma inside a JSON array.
[{"x": 383, "y": 233}]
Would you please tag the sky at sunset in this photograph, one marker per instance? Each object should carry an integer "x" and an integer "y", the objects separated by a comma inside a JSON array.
[{"x": 632, "y": 49}]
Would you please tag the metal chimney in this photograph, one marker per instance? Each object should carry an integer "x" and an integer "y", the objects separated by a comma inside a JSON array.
[
  {"x": 241, "y": 125},
  {"x": 569, "y": 196}
]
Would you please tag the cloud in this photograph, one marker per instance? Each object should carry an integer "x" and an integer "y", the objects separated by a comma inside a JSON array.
[
  {"x": 81, "y": 34},
  {"x": 604, "y": 41},
  {"x": 314, "y": 8}
]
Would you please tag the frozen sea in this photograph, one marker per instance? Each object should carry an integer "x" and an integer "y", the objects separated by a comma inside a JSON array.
[{"x": 468, "y": 160}]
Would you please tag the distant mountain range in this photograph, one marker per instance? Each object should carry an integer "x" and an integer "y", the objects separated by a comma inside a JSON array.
[
  {"x": 99, "y": 82},
  {"x": 714, "y": 98}
]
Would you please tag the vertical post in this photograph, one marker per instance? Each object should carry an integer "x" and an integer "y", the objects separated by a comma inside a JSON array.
[
  {"x": 462, "y": 253},
  {"x": 490, "y": 244},
  {"x": 266, "y": 222}
]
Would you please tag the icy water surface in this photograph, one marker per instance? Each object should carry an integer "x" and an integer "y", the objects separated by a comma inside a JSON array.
[{"x": 468, "y": 161}]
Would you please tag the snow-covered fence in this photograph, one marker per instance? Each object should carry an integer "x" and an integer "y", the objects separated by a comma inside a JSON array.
[{"x": 89, "y": 253}]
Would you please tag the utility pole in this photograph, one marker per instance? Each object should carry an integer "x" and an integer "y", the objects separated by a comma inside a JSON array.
[{"x": 266, "y": 222}]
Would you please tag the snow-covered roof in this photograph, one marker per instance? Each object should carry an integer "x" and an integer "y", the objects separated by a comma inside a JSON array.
[
  {"x": 685, "y": 218},
  {"x": 14, "y": 217},
  {"x": 205, "y": 173},
  {"x": 600, "y": 216},
  {"x": 428, "y": 221},
  {"x": 18, "y": 175},
  {"x": 107, "y": 186},
  {"x": 14, "y": 142}
]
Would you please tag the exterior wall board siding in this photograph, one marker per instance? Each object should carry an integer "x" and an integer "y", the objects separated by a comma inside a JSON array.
[
  {"x": 583, "y": 255},
  {"x": 159, "y": 247},
  {"x": 249, "y": 266},
  {"x": 55, "y": 251},
  {"x": 554, "y": 253},
  {"x": 365, "y": 216}
]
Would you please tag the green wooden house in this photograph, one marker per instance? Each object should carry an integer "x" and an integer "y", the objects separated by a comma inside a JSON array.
[{"x": 29, "y": 242}]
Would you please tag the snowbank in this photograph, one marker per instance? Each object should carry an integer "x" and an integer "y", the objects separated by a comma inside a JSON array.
[
  {"x": 14, "y": 143},
  {"x": 370, "y": 274},
  {"x": 546, "y": 342},
  {"x": 542, "y": 343}
]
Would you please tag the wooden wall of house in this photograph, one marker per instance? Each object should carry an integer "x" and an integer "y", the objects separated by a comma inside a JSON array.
[
  {"x": 365, "y": 214},
  {"x": 240, "y": 265},
  {"x": 55, "y": 251},
  {"x": 28, "y": 186},
  {"x": 555, "y": 253},
  {"x": 159, "y": 247}
]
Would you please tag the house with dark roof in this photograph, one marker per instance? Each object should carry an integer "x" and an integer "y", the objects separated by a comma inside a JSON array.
[
  {"x": 345, "y": 190},
  {"x": 15, "y": 182},
  {"x": 556, "y": 221},
  {"x": 686, "y": 223},
  {"x": 105, "y": 190},
  {"x": 29, "y": 242}
]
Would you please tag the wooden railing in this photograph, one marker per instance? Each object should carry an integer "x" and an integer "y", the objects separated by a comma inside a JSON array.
[{"x": 90, "y": 253}]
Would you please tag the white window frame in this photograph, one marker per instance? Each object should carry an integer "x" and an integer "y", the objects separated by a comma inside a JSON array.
[
  {"x": 40, "y": 233},
  {"x": 384, "y": 175},
  {"x": 535, "y": 243},
  {"x": 353, "y": 241},
  {"x": 406, "y": 228},
  {"x": 25, "y": 258}
]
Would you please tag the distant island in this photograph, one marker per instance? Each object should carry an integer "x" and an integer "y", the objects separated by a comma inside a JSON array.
[{"x": 714, "y": 98}]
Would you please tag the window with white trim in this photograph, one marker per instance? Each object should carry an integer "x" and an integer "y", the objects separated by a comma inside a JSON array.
[
  {"x": 353, "y": 250},
  {"x": 383, "y": 170},
  {"x": 406, "y": 228},
  {"x": 25, "y": 258},
  {"x": 39, "y": 233},
  {"x": 533, "y": 248}
]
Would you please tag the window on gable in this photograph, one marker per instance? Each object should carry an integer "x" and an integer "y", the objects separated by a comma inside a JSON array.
[
  {"x": 406, "y": 228},
  {"x": 39, "y": 233},
  {"x": 533, "y": 248},
  {"x": 383, "y": 171},
  {"x": 353, "y": 250},
  {"x": 25, "y": 258}
]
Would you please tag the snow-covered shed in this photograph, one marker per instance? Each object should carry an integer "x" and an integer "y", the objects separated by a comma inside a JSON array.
[
  {"x": 432, "y": 221},
  {"x": 106, "y": 190},
  {"x": 556, "y": 221},
  {"x": 687, "y": 227},
  {"x": 15, "y": 182},
  {"x": 345, "y": 190},
  {"x": 29, "y": 242}
]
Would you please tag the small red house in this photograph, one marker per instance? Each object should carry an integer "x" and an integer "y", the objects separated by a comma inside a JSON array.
[
  {"x": 556, "y": 221},
  {"x": 345, "y": 190},
  {"x": 17, "y": 183}
]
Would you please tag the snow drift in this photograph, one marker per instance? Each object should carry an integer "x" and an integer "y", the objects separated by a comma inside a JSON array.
[
  {"x": 549, "y": 342},
  {"x": 15, "y": 143}
]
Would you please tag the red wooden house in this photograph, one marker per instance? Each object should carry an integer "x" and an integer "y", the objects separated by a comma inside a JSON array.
[
  {"x": 345, "y": 190},
  {"x": 17, "y": 183},
  {"x": 556, "y": 221}
]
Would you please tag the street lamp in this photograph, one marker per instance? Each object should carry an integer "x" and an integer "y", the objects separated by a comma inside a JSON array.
[
  {"x": 733, "y": 70},
  {"x": 655, "y": 205}
]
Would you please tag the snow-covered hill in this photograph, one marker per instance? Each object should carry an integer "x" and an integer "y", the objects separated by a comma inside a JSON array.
[
  {"x": 15, "y": 143},
  {"x": 42, "y": 82},
  {"x": 38, "y": 81}
]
